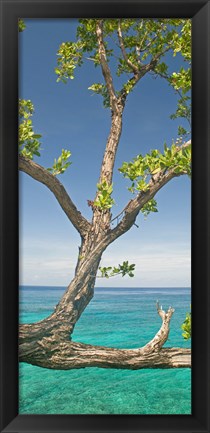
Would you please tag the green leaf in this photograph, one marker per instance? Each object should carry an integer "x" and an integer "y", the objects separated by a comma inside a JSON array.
[
  {"x": 60, "y": 165},
  {"x": 21, "y": 25},
  {"x": 104, "y": 200},
  {"x": 186, "y": 327},
  {"x": 28, "y": 141},
  {"x": 124, "y": 269}
]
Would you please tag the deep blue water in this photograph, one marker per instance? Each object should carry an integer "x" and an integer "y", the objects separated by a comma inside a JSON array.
[{"x": 116, "y": 317}]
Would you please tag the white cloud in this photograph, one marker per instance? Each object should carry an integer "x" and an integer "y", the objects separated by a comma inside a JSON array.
[{"x": 46, "y": 262}]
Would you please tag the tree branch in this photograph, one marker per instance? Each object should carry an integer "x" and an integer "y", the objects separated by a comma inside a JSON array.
[
  {"x": 139, "y": 71},
  {"x": 134, "y": 68},
  {"x": 105, "y": 67},
  {"x": 162, "y": 335},
  {"x": 69, "y": 355},
  {"x": 40, "y": 174},
  {"x": 134, "y": 206},
  {"x": 64, "y": 355}
]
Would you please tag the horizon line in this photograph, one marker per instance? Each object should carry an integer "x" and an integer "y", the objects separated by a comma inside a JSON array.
[{"x": 115, "y": 287}]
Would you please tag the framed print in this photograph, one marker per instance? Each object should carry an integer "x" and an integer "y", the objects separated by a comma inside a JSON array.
[{"x": 104, "y": 235}]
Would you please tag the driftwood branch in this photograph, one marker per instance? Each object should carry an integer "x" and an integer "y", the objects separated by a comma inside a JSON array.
[{"x": 42, "y": 175}]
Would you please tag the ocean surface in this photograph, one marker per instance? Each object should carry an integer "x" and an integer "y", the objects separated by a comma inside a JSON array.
[{"x": 116, "y": 317}]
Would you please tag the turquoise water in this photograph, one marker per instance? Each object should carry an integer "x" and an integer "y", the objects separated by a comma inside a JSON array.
[{"x": 122, "y": 318}]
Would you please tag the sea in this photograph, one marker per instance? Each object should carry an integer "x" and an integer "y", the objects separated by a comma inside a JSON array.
[{"x": 115, "y": 317}]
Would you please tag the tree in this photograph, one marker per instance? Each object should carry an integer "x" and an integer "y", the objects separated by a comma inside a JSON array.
[{"x": 140, "y": 46}]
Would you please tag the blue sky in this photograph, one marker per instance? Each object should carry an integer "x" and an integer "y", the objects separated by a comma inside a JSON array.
[{"x": 71, "y": 117}]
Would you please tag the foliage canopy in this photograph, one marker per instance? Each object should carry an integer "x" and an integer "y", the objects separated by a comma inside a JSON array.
[{"x": 137, "y": 46}]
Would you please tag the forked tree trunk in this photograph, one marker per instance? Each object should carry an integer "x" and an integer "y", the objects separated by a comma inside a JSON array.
[{"x": 48, "y": 343}]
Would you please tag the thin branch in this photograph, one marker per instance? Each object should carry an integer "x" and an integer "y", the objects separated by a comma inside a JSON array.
[
  {"x": 42, "y": 175},
  {"x": 167, "y": 77},
  {"x": 142, "y": 41},
  {"x": 141, "y": 71},
  {"x": 181, "y": 96},
  {"x": 134, "y": 68},
  {"x": 110, "y": 276},
  {"x": 161, "y": 53},
  {"x": 149, "y": 43},
  {"x": 104, "y": 66},
  {"x": 152, "y": 40}
]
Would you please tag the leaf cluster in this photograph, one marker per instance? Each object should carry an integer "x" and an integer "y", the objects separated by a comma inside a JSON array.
[
  {"x": 104, "y": 200},
  {"x": 86, "y": 32},
  {"x": 142, "y": 168},
  {"x": 150, "y": 206},
  {"x": 124, "y": 269},
  {"x": 182, "y": 44},
  {"x": 101, "y": 89},
  {"x": 181, "y": 80},
  {"x": 26, "y": 108},
  {"x": 143, "y": 39},
  {"x": 183, "y": 109},
  {"x": 69, "y": 56},
  {"x": 29, "y": 142},
  {"x": 21, "y": 25},
  {"x": 186, "y": 327},
  {"x": 61, "y": 164},
  {"x": 182, "y": 41}
]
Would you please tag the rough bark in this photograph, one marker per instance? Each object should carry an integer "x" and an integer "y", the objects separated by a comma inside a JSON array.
[
  {"x": 69, "y": 309},
  {"x": 68, "y": 355}
]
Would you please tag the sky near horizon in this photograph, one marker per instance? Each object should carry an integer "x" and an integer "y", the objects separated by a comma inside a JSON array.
[{"x": 71, "y": 117}]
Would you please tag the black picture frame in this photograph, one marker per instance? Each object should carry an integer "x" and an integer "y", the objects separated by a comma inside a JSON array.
[{"x": 10, "y": 421}]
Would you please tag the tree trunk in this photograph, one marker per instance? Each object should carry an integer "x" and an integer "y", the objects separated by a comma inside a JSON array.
[{"x": 75, "y": 299}]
